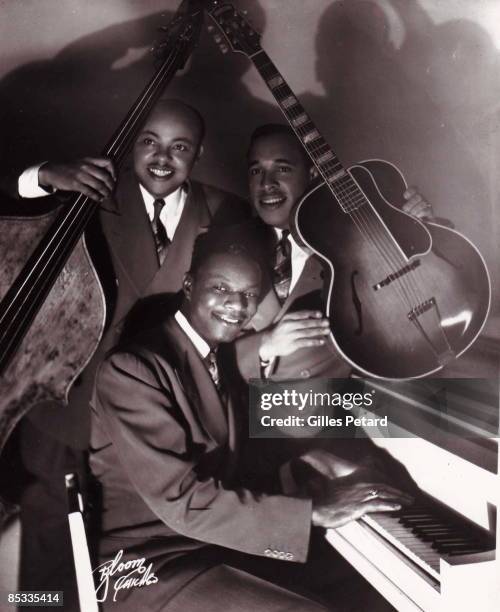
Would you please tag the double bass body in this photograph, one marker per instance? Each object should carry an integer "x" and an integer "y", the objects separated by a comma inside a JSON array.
[{"x": 65, "y": 332}]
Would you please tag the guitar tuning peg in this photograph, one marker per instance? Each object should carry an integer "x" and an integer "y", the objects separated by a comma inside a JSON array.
[
  {"x": 224, "y": 48},
  {"x": 218, "y": 38},
  {"x": 210, "y": 28}
]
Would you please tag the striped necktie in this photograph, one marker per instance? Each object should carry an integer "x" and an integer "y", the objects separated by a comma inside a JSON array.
[
  {"x": 282, "y": 270},
  {"x": 213, "y": 368},
  {"x": 162, "y": 241}
]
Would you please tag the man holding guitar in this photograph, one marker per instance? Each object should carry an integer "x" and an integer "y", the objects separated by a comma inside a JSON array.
[{"x": 290, "y": 338}]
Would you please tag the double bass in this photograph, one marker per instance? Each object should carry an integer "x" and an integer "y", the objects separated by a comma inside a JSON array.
[
  {"x": 52, "y": 311},
  {"x": 404, "y": 298}
]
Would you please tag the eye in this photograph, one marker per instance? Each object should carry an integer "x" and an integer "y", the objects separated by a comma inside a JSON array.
[
  {"x": 251, "y": 295},
  {"x": 254, "y": 171},
  {"x": 148, "y": 141},
  {"x": 220, "y": 288},
  {"x": 284, "y": 169},
  {"x": 180, "y": 147}
]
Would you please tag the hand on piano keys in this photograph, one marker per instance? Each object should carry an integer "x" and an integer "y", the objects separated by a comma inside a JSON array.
[
  {"x": 343, "y": 490},
  {"x": 341, "y": 500}
]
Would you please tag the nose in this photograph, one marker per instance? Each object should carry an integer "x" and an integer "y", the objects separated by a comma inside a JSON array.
[
  {"x": 268, "y": 179},
  {"x": 237, "y": 301},
  {"x": 164, "y": 154}
]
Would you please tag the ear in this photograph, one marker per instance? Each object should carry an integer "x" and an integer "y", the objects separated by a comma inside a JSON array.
[
  {"x": 200, "y": 152},
  {"x": 187, "y": 286},
  {"x": 313, "y": 173}
]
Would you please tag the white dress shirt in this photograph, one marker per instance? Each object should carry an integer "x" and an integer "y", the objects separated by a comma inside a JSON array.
[
  {"x": 299, "y": 256},
  {"x": 27, "y": 183},
  {"x": 170, "y": 214},
  {"x": 201, "y": 346}
]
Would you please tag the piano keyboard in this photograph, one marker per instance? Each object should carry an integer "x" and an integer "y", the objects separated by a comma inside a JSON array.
[
  {"x": 425, "y": 534},
  {"x": 423, "y": 558}
]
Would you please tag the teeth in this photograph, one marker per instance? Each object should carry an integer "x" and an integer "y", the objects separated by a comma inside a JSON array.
[
  {"x": 271, "y": 200},
  {"x": 161, "y": 172},
  {"x": 228, "y": 320}
]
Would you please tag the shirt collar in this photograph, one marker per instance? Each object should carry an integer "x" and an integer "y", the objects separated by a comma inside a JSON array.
[
  {"x": 295, "y": 246},
  {"x": 172, "y": 201},
  {"x": 201, "y": 346}
]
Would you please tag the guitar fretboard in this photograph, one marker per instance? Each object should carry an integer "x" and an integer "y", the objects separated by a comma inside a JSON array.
[{"x": 327, "y": 163}]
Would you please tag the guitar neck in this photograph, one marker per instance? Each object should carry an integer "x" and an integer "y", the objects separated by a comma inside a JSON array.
[{"x": 327, "y": 163}]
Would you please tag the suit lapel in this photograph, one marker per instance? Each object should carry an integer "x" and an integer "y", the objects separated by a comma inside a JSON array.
[
  {"x": 270, "y": 310},
  {"x": 198, "y": 385},
  {"x": 309, "y": 280},
  {"x": 195, "y": 218},
  {"x": 129, "y": 231}
]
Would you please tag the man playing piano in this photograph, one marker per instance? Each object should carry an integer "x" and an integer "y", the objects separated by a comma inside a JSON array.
[
  {"x": 147, "y": 225},
  {"x": 166, "y": 438}
]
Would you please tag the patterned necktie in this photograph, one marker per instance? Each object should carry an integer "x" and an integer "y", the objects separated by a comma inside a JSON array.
[
  {"x": 282, "y": 270},
  {"x": 162, "y": 241},
  {"x": 213, "y": 368}
]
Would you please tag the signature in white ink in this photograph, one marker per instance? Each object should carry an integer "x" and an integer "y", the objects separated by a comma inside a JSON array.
[{"x": 137, "y": 575}]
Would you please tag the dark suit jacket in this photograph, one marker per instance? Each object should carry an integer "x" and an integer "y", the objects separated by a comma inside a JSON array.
[
  {"x": 302, "y": 364},
  {"x": 122, "y": 247},
  {"x": 9, "y": 184},
  {"x": 129, "y": 238},
  {"x": 165, "y": 450}
]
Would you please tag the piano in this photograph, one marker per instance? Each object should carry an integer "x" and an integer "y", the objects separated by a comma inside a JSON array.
[{"x": 440, "y": 553}]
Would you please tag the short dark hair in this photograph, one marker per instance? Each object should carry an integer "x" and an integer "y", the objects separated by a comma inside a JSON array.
[
  {"x": 198, "y": 117},
  {"x": 234, "y": 240},
  {"x": 272, "y": 129}
]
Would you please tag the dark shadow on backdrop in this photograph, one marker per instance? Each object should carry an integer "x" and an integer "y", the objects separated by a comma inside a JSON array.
[
  {"x": 383, "y": 101},
  {"x": 70, "y": 105}
]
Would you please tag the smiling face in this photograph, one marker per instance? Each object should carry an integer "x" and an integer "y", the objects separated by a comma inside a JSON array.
[
  {"x": 222, "y": 296},
  {"x": 278, "y": 176},
  {"x": 167, "y": 147}
]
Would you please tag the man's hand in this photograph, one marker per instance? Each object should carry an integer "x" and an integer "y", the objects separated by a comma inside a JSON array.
[
  {"x": 296, "y": 330},
  {"x": 416, "y": 205},
  {"x": 93, "y": 176},
  {"x": 344, "y": 500}
]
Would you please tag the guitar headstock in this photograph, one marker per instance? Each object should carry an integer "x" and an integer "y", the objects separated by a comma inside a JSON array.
[
  {"x": 233, "y": 28},
  {"x": 182, "y": 32}
]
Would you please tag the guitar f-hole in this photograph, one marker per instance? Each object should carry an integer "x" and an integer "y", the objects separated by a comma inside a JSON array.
[{"x": 357, "y": 303}]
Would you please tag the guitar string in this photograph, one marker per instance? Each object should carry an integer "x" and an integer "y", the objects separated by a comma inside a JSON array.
[
  {"x": 370, "y": 222},
  {"x": 367, "y": 219},
  {"x": 282, "y": 92},
  {"x": 364, "y": 230},
  {"x": 71, "y": 221},
  {"x": 354, "y": 197}
]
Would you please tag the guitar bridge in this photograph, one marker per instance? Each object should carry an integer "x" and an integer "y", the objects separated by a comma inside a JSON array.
[
  {"x": 392, "y": 277},
  {"x": 421, "y": 308}
]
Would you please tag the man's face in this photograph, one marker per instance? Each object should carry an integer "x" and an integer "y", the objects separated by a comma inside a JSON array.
[
  {"x": 222, "y": 296},
  {"x": 278, "y": 176},
  {"x": 166, "y": 149}
]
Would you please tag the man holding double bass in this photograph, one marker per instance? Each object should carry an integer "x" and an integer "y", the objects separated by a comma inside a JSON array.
[{"x": 144, "y": 238}]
